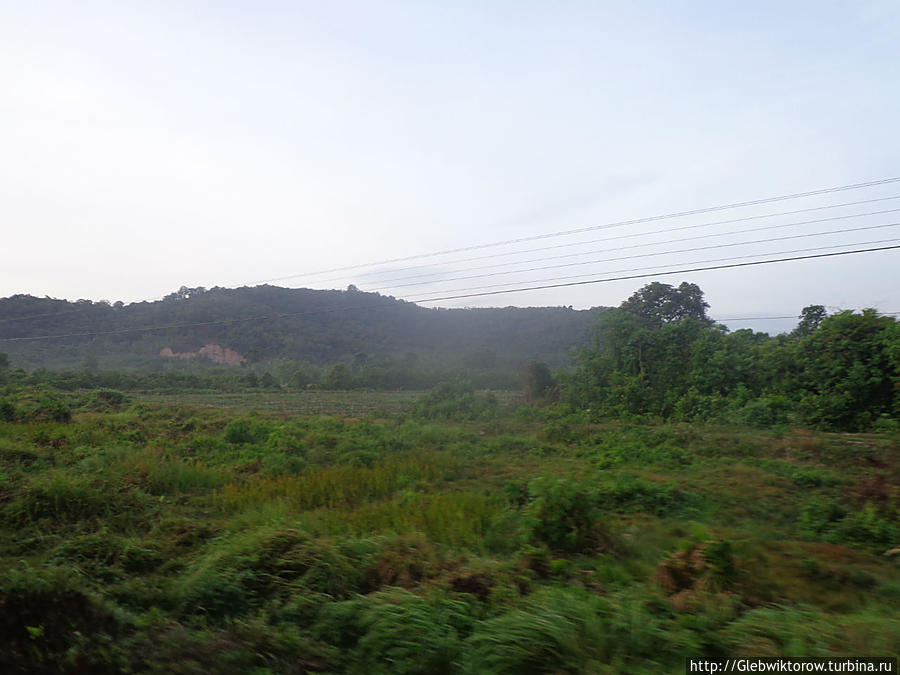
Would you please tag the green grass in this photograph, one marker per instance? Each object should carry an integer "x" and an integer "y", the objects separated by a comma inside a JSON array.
[{"x": 239, "y": 533}]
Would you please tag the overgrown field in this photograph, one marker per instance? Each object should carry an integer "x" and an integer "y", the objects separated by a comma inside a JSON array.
[
  {"x": 142, "y": 537},
  {"x": 343, "y": 403},
  {"x": 351, "y": 403}
]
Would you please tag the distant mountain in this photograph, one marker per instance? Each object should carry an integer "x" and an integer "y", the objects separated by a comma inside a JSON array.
[{"x": 265, "y": 323}]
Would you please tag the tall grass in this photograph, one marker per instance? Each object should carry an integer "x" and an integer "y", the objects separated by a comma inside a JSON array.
[
  {"x": 342, "y": 485},
  {"x": 457, "y": 518}
]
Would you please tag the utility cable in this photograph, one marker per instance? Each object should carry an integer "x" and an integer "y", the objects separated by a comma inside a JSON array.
[
  {"x": 642, "y": 255},
  {"x": 568, "y": 244},
  {"x": 773, "y": 318},
  {"x": 436, "y": 299},
  {"x": 621, "y": 223},
  {"x": 642, "y": 276},
  {"x": 622, "y": 236}
]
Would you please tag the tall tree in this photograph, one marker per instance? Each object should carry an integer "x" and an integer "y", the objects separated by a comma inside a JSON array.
[
  {"x": 811, "y": 318},
  {"x": 662, "y": 303},
  {"x": 848, "y": 370},
  {"x": 537, "y": 381}
]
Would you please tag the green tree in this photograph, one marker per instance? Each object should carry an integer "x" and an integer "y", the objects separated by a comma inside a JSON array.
[
  {"x": 299, "y": 379},
  {"x": 659, "y": 353},
  {"x": 810, "y": 319},
  {"x": 662, "y": 303},
  {"x": 848, "y": 371},
  {"x": 537, "y": 381},
  {"x": 360, "y": 359},
  {"x": 339, "y": 377}
]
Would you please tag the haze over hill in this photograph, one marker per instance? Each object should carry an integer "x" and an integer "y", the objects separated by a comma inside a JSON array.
[{"x": 264, "y": 323}]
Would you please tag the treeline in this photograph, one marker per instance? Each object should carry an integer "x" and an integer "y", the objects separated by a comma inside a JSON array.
[
  {"x": 264, "y": 324},
  {"x": 658, "y": 354},
  {"x": 281, "y": 376}
]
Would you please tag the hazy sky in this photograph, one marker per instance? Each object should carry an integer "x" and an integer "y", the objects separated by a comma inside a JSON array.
[{"x": 149, "y": 145}]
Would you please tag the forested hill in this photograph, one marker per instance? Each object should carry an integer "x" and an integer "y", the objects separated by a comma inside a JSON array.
[{"x": 326, "y": 327}]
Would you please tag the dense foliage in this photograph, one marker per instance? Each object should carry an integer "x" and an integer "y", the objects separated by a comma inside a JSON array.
[
  {"x": 658, "y": 354},
  {"x": 278, "y": 376},
  {"x": 204, "y": 521},
  {"x": 144, "y": 537},
  {"x": 304, "y": 326}
]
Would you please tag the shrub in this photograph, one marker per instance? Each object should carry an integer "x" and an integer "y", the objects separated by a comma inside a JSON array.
[
  {"x": 50, "y": 409},
  {"x": 766, "y": 411},
  {"x": 818, "y": 515},
  {"x": 868, "y": 528},
  {"x": 245, "y": 430},
  {"x": 456, "y": 401},
  {"x": 106, "y": 399},
  {"x": 626, "y": 492},
  {"x": 169, "y": 477},
  {"x": 7, "y": 411},
  {"x": 698, "y": 567},
  {"x": 65, "y": 498},
  {"x": 885, "y": 424},
  {"x": 829, "y": 521},
  {"x": 563, "y": 514},
  {"x": 50, "y": 625},
  {"x": 558, "y": 431},
  {"x": 407, "y": 634},
  {"x": 553, "y": 638}
]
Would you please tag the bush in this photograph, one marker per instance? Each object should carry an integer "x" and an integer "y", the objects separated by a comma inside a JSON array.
[
  {"x": 766, "y": 411},
  {"x": 245, "y": 430},
  {"x": 456, "y": 401},
  {"x": 407, "y": 634},
  {"x": 394, "y": 631},
  {"x": 625, "y": 492},
  {"x": 885, "y": 424},
  {"x": 65, "y": 498},
  {"x": 573, "y": 631},
  {"x": 563, "y": 514},
  {"x": 7, "y": 411},
  {"x": 818, "y": 516},
  {"x": 50, "y": 625},
  {"x": 829, "y": 521},
  {"x": 106, "y": 399},
  {"x": 169, "y": 477},
  {"x": 49, "y": 409}
]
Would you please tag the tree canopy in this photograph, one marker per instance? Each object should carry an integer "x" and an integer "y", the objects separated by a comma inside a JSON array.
[
  {"x": 662, "y": 303},
  {"x": 658, "y": 354}
]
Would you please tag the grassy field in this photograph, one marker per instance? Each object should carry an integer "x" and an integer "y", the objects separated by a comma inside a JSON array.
[
  {"x": 204, "y": 537},
  {"x": 345, "y": 403}
]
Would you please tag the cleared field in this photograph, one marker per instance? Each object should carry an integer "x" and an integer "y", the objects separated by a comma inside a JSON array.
[{"x": 350, "y": 403}]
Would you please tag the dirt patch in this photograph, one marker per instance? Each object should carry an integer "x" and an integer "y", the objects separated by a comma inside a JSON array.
[{"x": 213, "y": 352}]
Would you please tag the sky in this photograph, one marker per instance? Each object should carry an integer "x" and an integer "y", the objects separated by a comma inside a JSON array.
[{"x": 146, "y": 146}]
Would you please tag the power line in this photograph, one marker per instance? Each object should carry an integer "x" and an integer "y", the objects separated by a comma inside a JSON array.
[
  {"x": 645, "y": 255},
  {"x": 658, "y": 243},
  {"x": 627, "y": 236},
  {"x": 570, "y": 244},
  {"x": 757, "y": 318},
  {"x": 656, "y": 267},
  {"x": 642, "y": 276},
  {"x": 679, "y": 214},
  {"x": 454, "y": 297},
  {"x": 42, "y": 316},
  {"x": 774, "y": 318}
]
